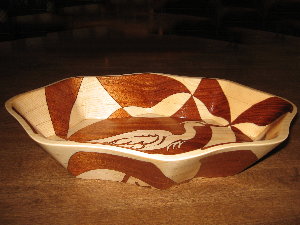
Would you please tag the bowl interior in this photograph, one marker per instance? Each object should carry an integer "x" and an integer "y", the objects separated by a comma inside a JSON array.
[{"x": 155, "y": 113}]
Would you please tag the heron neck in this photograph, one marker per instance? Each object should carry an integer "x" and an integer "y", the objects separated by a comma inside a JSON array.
[{"x": 189, "y": 128}]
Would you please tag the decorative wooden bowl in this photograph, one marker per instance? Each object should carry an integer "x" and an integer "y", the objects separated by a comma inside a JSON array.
[{"x": 153, "y": 129}]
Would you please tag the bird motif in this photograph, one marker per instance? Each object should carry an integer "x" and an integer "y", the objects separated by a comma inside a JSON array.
[{"x": 152, "y": 139}]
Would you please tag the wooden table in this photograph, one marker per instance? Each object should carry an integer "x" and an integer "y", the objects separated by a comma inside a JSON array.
[{"x": 35, "y": 189}]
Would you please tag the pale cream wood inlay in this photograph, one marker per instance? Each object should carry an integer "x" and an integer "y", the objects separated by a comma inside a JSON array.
[{"x": 34, "y": 108}]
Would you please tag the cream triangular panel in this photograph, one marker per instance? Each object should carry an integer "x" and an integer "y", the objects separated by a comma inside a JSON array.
[
  {"x": 252, "y": 130},
  {"x": 171, "y": 104},
  {"x": 140, "y": 111},
  {"x": 207, "y": 116},
  {"x": 191, "y": 83},
  {"x": 166, "y": 107},
  {"x": 240, "y": 98},
  {"x": 92, "y": 101},
  {"x": 221, "y": 135},
  {"x": 77, "y": 113},
  {"x": 33, "y": 106}
]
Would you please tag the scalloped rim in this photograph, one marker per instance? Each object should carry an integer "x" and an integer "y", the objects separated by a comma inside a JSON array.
[{"x": 283, "y": 133}]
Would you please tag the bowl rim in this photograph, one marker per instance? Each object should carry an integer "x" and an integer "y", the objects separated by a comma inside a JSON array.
[{"x": 282, "y": 134}]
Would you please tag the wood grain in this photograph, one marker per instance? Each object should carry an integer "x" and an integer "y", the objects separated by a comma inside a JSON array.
[
  {"x": 60, "y": 99},
  {"x": 265, "y": 112},
  {"x": 35, "y": 189},
  {"x": 211, "y": 94},
  {"x": 120, "y": 113},
  {"x": 188, "y": 110},
  {"x": 240, "y": 136},
  {"x": 226, "y": 163},
  {"x": 81, "y": 162},
  {"x": 145, "y": 90},
  {"x": 75, "y": 103},
  {"x": 143, "y": 128},
  {"x": 134, "y": 127}
]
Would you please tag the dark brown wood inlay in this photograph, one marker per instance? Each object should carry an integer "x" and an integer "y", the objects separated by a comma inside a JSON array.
[
  {"x": 82, "y": 162},
  {"x": 226, "y": 163},
  {"x": 202, "y": 137},
  {"x": 265, "y": 112},
  {"x": 240, "y": 136},
  {"x": 143, "y": 90},
  {"x": 60, "y": 99},
  {"x": 188, "y": 110},
  {"x": 160, "y": 135},
  {"x": 120, "y": 113},
  {"x": 111, "y": 127},
  {"x": 211, "y": 94}
]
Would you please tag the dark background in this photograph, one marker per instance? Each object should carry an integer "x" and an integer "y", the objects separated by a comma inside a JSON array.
[
  {"x": 229, "y": 20},
  {"x": 255, "y": 43}
]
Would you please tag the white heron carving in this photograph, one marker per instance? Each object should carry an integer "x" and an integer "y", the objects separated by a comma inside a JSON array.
[{"x": 152, "y": 139}]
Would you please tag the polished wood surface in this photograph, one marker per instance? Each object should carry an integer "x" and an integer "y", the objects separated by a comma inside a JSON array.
[
  {"x": 73, "y": 119},
  {"x": 35, "y": 189}
]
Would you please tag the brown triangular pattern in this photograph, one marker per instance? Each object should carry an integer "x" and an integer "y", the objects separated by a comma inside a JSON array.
[
  {"x": 82, "y": 162},
  {"x": 143, "y": 90},
  {"x": 211, "y": 94},
  {"x": 226, "y": 163},
  {"x": 60, "y": 99},
  {"x": 188, "y": 110},
  {"x": 264, "y": 112},
  {"x": 120, "y": 113},
  {"x": 240, "y": 136}
]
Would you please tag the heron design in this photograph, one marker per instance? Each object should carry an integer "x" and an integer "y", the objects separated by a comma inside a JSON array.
[{"x": 152, "y": 139}]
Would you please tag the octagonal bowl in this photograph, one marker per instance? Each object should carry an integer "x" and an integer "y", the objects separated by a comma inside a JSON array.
[{"x": 152, "y": 129}]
